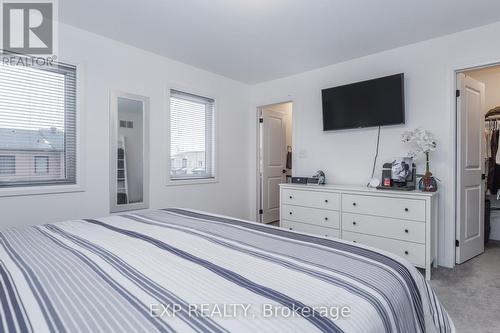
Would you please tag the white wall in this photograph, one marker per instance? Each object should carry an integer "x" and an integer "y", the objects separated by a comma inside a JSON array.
[
  {"x": 346, "y": 156},
  {"x": 111, "y": 65}
]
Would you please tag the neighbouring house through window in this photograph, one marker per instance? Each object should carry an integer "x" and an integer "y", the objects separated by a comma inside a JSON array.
[{"x": 37, "y": 125}]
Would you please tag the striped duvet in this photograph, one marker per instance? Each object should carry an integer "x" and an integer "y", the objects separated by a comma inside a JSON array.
[{"x": 183, "y": 271}]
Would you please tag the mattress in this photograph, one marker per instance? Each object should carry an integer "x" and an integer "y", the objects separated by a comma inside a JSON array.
[{"x": 177, "y": 270}]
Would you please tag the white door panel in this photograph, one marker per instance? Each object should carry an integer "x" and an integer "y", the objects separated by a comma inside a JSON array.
[
  {"x": 470, "y": 157},
  {"x": 273, "y": 143},
  {"x": 472, "y": 211}
]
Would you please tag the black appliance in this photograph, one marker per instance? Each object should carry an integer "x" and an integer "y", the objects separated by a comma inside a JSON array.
[
  {"x": 369, "y": 103},
  {"x": 299, "y": 180}
]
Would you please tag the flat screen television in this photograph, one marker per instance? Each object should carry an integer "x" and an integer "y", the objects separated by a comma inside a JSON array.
[{"x": 369, "y": 103}]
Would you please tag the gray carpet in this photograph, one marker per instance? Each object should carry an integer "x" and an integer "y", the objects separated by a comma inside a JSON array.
[{"x": 471, "y": 292}]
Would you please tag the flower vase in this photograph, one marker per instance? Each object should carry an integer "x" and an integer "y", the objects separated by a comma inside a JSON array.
[{"x": 427, "y": 183}]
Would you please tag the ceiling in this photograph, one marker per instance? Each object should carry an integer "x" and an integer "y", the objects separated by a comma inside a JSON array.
[{"x": 258, "y": 40}]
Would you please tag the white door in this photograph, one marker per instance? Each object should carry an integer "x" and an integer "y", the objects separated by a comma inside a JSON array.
[
  {"x": 273, "y": 172},
  {"x": 470, "y": 168}
]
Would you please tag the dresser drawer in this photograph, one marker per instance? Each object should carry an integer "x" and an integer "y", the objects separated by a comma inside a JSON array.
[
  {"x": 314, "y": 199},
  {"x": 414, "y": 253},
  {"x": 411, "y": 231},
  {"x": 408, "y": 209},
  {"x": 311, "y": 229},
  {"x": 320, "y": 217}
]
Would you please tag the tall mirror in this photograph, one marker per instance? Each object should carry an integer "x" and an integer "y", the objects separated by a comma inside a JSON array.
[{"x": 129, "y": 155}]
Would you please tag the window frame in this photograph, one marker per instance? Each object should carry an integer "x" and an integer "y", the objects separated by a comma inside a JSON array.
[
  {"x": 38, "y": 157},
  {"x": 215, "y": 134},
  {"x": 80, "y": 181},
  {"x": 14, "y": 164}
]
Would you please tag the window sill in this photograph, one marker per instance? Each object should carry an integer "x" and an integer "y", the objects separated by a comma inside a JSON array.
[
  {"x": 39, "y": 190},
  {"x": 194, "y": 181}
]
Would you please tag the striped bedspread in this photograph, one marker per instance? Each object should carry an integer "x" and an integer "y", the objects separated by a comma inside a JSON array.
[{"x": 175, "y": 270}]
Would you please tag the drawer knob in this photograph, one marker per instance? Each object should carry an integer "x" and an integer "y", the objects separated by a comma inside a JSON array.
[
  {"x": 291, "y": 197},
  {"x": 406, "y": 209},
  {"x": 406, "y": 252},
  {"x": 407, "y": 231},
  {"x": 354, "y": 204},
  {"x": 290, "y": 213},
  {"x": 326, "y": 200},
  {"x": 354, "y": 223},
  {"x": 354, "y": 241},
  {"x": 290, "y": 228},
  {"x": 326, "y": 218}
]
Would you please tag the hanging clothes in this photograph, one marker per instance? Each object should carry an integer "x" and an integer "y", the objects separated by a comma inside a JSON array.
[
  {"x": 487, "y": 142},
  {"x": 496, "y": 179},
  {"x": 493, "y": 171},
  {"x": 497, "y": 155},
  {"x": 289, "y": 158}
]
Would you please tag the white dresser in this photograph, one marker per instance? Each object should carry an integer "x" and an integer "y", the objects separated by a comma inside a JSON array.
[{"x": 404, "y": 223}]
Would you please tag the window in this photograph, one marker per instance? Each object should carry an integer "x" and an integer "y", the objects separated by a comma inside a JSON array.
[
  {"x": 7, "y": 165},
  {"x": 42, "y": 165},
  {"x": 38, "y": 115},
  {"x": 191, "y": 136}
]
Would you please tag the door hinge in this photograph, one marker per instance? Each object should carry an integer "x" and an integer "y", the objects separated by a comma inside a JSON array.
[
  {"x": 458, "y": 93},
  {"x": 483, "y": 176},
  {"x": 261, "y": 120},
  {"x": 457, "y": 243},
  {"x": 261, "y": 211}
]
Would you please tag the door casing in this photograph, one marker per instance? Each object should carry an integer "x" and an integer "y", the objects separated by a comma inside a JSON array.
[
  {"x": 467, "y": 250},
  {"x": 257, "y": 156}
]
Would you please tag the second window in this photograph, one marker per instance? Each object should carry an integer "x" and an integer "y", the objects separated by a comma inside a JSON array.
[{"x": 191, "y": 136}]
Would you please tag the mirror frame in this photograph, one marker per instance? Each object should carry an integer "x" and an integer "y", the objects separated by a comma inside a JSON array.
[{"x": 113, "y": 146}]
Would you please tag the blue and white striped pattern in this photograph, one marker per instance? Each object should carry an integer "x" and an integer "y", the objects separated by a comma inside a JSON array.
[{"x": 103, "y": 275}]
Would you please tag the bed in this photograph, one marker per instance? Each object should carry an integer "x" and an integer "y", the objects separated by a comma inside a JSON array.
[{"x": 177, "y": 270}]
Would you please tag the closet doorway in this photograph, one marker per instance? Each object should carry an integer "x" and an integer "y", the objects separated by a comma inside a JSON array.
[
  {"x": 478, "y": 161},
  {"x": 274, "y": 158}
]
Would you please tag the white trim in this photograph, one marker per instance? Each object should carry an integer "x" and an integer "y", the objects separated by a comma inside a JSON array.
[
  {"x": 79, "y": 186},
  {"x": 196, "y": 181},
  {"x": 258, "y": 217},
  {"x": 215, "y": 158},
  {"x": 39, "y": 190},
  {"x": 113, "y": 143}
]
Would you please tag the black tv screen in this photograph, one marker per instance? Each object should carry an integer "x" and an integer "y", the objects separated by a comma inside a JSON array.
[{"x": 369, "y": 103}]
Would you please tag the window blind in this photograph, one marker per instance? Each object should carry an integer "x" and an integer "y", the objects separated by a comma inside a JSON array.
[
  {"x": 37, "y": 125},
  {"x": 191, "y": 136}
]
